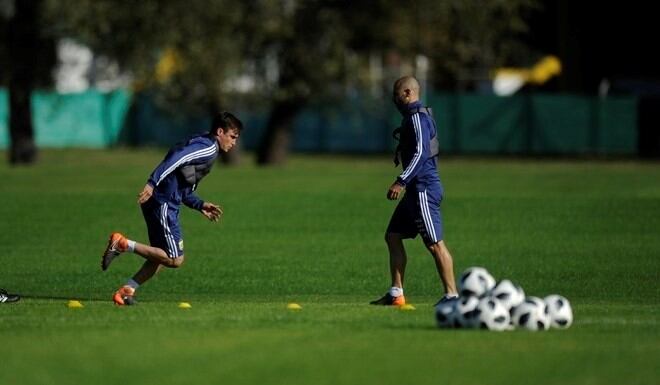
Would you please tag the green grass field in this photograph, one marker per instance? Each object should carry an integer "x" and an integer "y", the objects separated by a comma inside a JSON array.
[{"x": 311, "y": 232}]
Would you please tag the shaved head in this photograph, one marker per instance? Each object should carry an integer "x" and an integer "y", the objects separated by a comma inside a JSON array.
[
  {"x": 407, "y": 83},
  {"x": 406, "y": 91}
]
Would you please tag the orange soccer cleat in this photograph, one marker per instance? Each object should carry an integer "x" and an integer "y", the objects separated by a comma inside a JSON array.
[
  {"x": 388, "y": 300},
  {"x": 124, "y": 296},
  {"x": 117, "y": 244}
]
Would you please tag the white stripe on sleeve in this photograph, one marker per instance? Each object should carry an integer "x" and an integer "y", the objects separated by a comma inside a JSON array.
[
  {"x": 417, "y": 125},
  {"x": 193, "y": 155}
]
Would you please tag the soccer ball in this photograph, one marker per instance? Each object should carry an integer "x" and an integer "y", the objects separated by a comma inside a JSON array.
[
  {"x": 465, "y": 312},
  {"x": 532, "y": 314},
  {"x": 475, "y": 281},
  {"x": 445, "y": 313},
  {"x": 559, "y": 309},
  {"x": 510, "y": 295},
  {"x": 492, "y": 315}
]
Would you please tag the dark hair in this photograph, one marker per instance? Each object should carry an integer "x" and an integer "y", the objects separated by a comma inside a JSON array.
[{"x": 226, "y": 120}]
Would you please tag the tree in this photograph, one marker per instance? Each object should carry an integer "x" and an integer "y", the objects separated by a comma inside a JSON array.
[
  {"x": 474, "y": 38},
  {"x": 310, "y": 45},
  {"x": 464, "y": 39},
  {"x": 180, "y": 52},
  {"x": 29, "y": 57},
  {"x": 294, "y": 51}
]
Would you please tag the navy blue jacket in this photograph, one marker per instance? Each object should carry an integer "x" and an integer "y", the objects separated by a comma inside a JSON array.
[
  {"x": 168, "y": 183},
  {"x": 420, "y": 168}
]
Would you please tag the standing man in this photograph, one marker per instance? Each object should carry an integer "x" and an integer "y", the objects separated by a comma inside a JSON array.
[
  {"x": 419, "y": 210},
  {"x": 173, "y": 182}
]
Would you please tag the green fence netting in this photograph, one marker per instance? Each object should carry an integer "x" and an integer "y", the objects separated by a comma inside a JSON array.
[
  {"x": 90, "y": 119},
  {"x": 467, "y": 123}
]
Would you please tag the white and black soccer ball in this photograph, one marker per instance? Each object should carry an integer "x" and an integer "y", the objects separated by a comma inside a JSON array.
[
  {"x": 560, "y": 311},
  {"x": 509, "y": 294},
  {"x": 492, "y": 315},
  {"x": 532, "y": 314},
  {"x": 445, "y": 313},
  {"x": 465, "y": 309},
  {"x": 475, "y": 281}
]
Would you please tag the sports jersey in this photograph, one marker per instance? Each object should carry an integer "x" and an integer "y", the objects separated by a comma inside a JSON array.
[
  {"x": 420, "y": 167},
  {"x": 419, "y": 210},
  {"x": 169, "y": 182},
  {"x": 174, "y": 181}
]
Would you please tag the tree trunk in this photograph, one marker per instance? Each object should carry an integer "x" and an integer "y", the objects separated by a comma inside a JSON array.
[
  {"x": 23, "y": 149},
  {"x": 274, "y": 146},
  {"x": 23, "y": 46}
]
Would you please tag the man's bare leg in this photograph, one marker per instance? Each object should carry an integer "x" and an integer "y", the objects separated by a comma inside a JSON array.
[
  {"x": 148, "y": 270},
  {"x": 398, "y": 258},
  {"x": 157, "y": 255},
  {"x": 118, "y": 244},
  {"x": 445, "y": 265}
]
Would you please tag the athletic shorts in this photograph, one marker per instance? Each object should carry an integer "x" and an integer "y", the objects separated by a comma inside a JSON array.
[
  {"x": 163, "y": 227},
  {"x": 418, "y": 213}
]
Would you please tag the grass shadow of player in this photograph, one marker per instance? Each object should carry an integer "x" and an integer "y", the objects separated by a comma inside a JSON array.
[{"x": 64, "y": 297}]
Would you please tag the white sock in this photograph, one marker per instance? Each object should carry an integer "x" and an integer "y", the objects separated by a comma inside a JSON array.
[
  {"x": 396, "y": 291},
  {"x": 131, "y": 282},
  {"x": 131, "y": 246}
]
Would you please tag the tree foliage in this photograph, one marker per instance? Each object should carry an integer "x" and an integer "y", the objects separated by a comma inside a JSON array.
[{"x": 195, "y": 53}]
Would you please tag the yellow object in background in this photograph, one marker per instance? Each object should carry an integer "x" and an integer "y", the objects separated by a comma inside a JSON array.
[
  {"x": 73, "y": 304},
  {"x": 509, "y": 80},
  {"x": 545, "y": 69},
  {"x": 293, "y": 306},
  {"x": 169, "y": 64}
]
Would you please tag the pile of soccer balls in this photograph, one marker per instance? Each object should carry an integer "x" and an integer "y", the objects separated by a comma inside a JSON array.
[{"x": 484, "y": 304}]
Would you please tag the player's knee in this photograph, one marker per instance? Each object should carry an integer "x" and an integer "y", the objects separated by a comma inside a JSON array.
[
  {"x": 438, "y": 248},
  {"x": 175, "y": 262},
  {"x": 391, "y": 238}
]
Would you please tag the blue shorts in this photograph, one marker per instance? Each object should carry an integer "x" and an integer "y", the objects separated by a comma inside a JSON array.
[
  {"x": 163, "y": 227},
  {"x": 418, "y": 213}
]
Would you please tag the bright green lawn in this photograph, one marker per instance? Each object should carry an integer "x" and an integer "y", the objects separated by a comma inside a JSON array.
[{"x": 311, "y": 232}]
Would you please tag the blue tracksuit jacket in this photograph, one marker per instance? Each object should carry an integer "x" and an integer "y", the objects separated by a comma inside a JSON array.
[
  {"x": 420, "y": 168},
  {"x": 169, "y": 185}
]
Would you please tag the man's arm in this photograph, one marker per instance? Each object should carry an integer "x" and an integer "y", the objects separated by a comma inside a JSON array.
[
  {"x": 146, "y": 193},
  {"x": 210, "y": 210},
  {"x": 421, "y": 127},
  {"x": 178, "y": 157},
  {"x": 193, "y": 201}
]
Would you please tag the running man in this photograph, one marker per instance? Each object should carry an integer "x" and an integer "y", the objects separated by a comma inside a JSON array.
[
  {"x": 173, "y": 182},
  {"x": 419, "y": 210}
]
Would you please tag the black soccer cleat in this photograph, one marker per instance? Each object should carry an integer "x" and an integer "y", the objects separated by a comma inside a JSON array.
[
  {"x": 6, "y": 297},
  {"x": 445, "y": 298},
  {"x": 388, "y": 300}
]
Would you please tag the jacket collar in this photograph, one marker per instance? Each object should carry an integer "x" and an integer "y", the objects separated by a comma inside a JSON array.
[
  {"x": 414, "y": 105},
  {"x": 405, "y": 111}
]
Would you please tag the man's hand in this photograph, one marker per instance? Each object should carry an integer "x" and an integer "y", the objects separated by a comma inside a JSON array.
[
  {"x": 212, "y": 211},
  {"x": 146, "y": 193},
  {"x": 394, "y": 191}
]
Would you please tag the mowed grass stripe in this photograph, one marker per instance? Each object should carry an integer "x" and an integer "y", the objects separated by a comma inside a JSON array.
[{"x": 311, "y": 232}]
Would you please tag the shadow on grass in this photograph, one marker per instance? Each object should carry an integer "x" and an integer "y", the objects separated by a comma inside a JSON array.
[{"x": 65, "y": 297}]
